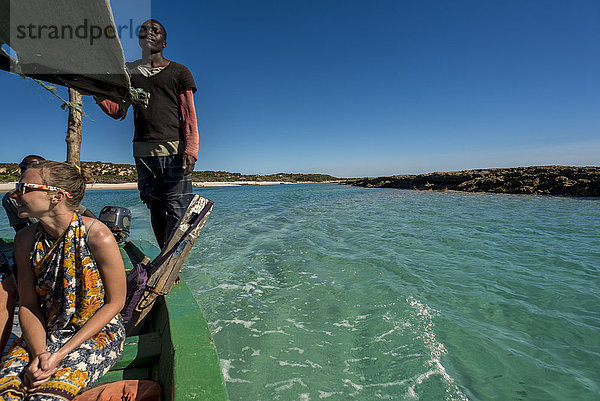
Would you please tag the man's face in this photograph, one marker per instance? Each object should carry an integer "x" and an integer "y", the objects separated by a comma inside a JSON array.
[{"x": 152, "y": 36}]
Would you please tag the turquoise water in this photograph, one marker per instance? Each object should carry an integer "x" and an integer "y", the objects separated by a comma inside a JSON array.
[{"x": 323, "y": 291}]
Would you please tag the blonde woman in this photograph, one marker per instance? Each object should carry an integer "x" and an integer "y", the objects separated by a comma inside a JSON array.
[{"x": 71, "y": 289}]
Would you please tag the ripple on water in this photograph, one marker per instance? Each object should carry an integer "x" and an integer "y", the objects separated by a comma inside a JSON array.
[{"x": 334, "y": 292}]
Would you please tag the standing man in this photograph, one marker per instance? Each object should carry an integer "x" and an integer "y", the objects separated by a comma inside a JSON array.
[{"x": 165, "y": 142}]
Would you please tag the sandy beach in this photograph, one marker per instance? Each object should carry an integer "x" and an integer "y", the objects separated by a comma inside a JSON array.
[{"x": 7, "y": 186}]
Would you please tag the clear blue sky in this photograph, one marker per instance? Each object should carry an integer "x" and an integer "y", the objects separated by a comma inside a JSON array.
[{"x": 359, "y": 88}]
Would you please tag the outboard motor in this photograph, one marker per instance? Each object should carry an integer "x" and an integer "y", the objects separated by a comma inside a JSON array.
[{"x": 118, "y": 220}]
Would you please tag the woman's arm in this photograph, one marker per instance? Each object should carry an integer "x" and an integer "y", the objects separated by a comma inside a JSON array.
[
  {"x": 106, "y": 253},
  {"x": 32, "y": 322}
]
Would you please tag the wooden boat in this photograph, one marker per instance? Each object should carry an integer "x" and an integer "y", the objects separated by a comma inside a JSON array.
[{"x": 174, "y": 346}]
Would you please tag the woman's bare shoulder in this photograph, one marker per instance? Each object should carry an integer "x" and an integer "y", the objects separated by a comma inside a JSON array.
[{"x": 97, "y": 231}]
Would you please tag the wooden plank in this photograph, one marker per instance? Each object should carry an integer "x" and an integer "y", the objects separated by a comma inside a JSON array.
[{"x": 162, "y": 280}]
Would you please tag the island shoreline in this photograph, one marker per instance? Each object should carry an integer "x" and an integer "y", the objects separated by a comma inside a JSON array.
[{"x": 101, "y": 186}]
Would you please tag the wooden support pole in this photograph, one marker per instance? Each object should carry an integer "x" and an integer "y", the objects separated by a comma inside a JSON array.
[{"x": 73, "y": 138}]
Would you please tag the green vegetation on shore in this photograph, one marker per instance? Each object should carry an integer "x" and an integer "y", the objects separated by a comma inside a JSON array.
[
  {"x": 111, "y": 173},
  {"x": 221, "y": 176}
]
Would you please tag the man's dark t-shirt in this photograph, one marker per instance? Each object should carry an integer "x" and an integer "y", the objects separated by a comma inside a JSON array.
[{"x": 160, "y": 121}]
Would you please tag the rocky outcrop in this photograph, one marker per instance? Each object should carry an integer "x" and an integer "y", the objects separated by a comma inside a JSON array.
[{"x": 537, "y": 180}]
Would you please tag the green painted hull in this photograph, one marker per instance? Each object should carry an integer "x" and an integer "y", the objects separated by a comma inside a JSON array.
[{"x": 187, "y": 366}]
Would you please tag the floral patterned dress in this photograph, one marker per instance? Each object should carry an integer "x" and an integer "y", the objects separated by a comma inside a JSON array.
[{"x": 70, "y": 291}]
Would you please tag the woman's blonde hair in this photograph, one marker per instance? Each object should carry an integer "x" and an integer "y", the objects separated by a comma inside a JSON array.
[{"x": 65, "y": 176}]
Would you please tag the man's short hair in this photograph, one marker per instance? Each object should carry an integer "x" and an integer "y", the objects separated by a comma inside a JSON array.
[{"x": 29, "y": 161}]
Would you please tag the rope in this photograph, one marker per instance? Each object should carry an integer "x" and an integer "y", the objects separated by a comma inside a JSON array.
[
  {"x": 52, "y": 89},
  {"x": 138, "y": 96},
  {"x": 135, "y": 95},
  {"x": 16, "y": 67},
  {"x": 73, "y": 105}
]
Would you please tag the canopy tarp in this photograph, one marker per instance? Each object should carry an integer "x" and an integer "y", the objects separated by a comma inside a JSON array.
[{"x": 72, "y": 43}]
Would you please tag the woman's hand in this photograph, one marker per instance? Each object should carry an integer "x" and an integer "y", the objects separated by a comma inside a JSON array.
[
  {"x": 31, "y": 369},
  {"x": 40, "y": 370},
  {"x": 49, "y": 365}
]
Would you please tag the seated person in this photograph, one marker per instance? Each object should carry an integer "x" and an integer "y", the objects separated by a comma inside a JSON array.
[
  {"x": 10, "y": 204},
  {"x": 71, "y": 289},
  {"x": 8, "y": 285}
]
